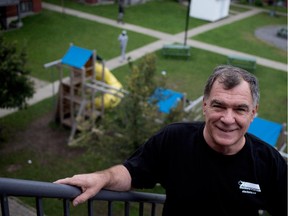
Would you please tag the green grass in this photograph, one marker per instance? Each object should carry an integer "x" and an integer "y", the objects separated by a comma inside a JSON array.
[
  {"x": 47, "y": 36},
  {"x": 162, "y": 15},
  {"x": 240, "y": 36},
  {"x": 190, "y": 77},
  {"x": 55, "y": 32},
  {"x": 238, "y": 8}
]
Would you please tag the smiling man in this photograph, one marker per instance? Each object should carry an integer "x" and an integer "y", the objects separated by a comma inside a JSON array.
[
  {"x": 229, "y": 106},
  {"x": 206, "y": 168}
]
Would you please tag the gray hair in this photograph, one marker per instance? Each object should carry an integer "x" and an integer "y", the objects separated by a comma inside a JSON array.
[{"x": 230, "y": 77}]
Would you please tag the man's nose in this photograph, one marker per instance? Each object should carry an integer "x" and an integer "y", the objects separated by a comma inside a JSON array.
[{"x": 228, "y": 117}]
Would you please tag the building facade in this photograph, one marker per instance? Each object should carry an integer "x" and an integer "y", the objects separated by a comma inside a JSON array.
[{"x": 14, "y": 10}]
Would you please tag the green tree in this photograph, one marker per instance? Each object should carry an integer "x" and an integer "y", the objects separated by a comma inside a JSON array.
[
  {"x": 130, "y": 123},
  {"x": 16, "y": 87},
  {"x": 127, "y": 126}
]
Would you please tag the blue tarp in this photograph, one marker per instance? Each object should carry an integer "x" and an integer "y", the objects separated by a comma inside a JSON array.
[
  {"x": 166, "y": 99},
  {"x": 266, "y": 130},
  {"x": 77, "y": 57}
]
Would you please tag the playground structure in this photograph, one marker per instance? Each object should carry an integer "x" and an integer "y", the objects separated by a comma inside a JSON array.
[
  {"x": 91, "y": 88},
  {"x": 87, "y": 92}
]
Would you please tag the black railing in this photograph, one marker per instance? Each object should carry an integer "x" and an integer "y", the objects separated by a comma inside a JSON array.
[{"x": 39, "y": 190}]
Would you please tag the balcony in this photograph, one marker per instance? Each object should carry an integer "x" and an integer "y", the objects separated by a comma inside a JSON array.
[{"x": 10, "y": 187}]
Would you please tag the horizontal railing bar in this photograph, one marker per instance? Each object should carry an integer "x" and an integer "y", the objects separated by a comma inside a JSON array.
[
  {"x": 132, "y": 196},
  {"x": 30, "y": 188}
]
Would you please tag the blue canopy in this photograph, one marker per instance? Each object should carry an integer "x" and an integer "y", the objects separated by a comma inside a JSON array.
[
  {"x": 166, "y": 99},
  {"x": 266, "y": 130},
  {"x": 77, "y": 57}
]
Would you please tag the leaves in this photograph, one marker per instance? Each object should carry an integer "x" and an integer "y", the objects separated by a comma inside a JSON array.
[{"x": 16, "y": 87}]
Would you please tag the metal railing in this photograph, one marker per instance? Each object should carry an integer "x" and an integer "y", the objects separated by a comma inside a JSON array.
[{"x": 40, "y": 190}]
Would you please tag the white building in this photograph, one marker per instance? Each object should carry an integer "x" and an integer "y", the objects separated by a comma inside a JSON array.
[{"x": 210, "y": 10}]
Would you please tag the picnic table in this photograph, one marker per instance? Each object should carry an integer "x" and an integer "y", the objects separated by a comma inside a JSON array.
[
  {"x": 176, "y": 50},
  {"x": 248, "y": 63}
]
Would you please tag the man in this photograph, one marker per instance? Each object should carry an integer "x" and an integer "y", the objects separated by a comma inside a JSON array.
[
  {"x": 120, "y": 12},
  {"x": 123, "y": 39},
  {"x": 207, "y": 168}
]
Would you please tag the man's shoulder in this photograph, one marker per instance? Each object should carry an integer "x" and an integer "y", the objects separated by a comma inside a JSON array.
[
  {"x": 261, "y": 148},
  {"x": 191, "y": 126},
  {"x": 257, "y": 142}
]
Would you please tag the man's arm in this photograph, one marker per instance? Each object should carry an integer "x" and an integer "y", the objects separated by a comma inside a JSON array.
[{"x": 115, "y": 178}]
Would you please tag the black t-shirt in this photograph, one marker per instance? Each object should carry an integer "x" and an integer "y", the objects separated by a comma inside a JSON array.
[{"x": 201, "y": 181}]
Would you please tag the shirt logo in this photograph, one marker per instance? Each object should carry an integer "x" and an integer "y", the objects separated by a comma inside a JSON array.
[{"x": 248, "y": 187}]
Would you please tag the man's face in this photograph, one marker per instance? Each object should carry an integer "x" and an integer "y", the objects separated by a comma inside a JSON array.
[{"x": 228, "y": 114}]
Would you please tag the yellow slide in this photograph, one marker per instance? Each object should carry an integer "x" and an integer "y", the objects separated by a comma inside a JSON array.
[{"x": 110, "y": 100}]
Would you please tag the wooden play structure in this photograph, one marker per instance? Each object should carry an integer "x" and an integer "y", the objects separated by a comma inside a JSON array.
[
  {"x": 86, "y": 92},
  {"x": 90, "y": 88}
]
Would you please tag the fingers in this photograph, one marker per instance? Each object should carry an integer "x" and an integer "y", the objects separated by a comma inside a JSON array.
[
  {"x": 89, "y": 188},
  {"x": 83, "y": 197},
  {"x": 76, "y": 180},
  {"x": 70, "y": 181}
]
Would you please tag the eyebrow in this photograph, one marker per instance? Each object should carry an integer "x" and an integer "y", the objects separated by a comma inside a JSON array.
[{"x": 221, "y": 103}]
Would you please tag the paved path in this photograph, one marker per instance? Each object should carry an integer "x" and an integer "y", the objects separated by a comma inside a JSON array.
[
  {"x": 18, "y": 208},
  {"x": 49, "y": 90}
]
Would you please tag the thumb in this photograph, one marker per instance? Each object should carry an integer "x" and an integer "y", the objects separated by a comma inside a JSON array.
[
  {"x": 83, "y": 197},
  {"x": 80, "y": 199}
]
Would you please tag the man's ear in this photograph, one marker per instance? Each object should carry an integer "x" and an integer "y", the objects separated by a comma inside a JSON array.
[{"x": 254, "y": 112}]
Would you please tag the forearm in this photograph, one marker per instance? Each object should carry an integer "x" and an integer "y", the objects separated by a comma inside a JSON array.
[{"x": 117, "y": 178}]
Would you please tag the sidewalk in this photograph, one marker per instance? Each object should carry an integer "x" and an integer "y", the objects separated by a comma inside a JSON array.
[
  {"x": 168, "y": 38},
  {"x": 46, "y": 91},
  {"x": 49, "y": 90},
  {"x": 18, "y": 208}
]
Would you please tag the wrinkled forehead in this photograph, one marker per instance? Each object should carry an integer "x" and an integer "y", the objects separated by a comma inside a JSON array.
[{"x": 241, "y": 91}]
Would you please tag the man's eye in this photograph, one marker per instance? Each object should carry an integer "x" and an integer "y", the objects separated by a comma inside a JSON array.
[
  {"x": 217, "y": 106},
  {"x": 241, "y": 110}
]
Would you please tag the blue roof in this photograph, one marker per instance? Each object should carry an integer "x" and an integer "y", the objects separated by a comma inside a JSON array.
[
  {"x": 166, "y": 99},
  {"x": 77, "y": 57},
  {"x": 266, "y": 130}
]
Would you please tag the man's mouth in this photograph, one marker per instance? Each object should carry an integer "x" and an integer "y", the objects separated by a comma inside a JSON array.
[{"x": 226, "y": 130}]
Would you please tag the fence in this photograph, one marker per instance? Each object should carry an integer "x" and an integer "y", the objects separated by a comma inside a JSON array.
[{"x": 44, "y": 190}]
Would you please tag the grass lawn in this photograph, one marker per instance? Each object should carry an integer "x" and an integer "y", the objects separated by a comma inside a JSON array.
[
  {"x": 190, "y": 77},
  {"x": 55, "y": 32},
  {"x": 241, "y": 36},
  {"x": 162, "y": 15},
  {"x": 47, "y": 37}
]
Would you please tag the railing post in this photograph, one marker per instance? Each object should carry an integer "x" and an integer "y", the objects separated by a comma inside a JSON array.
[
  {"x": 39, "y": 206},
  {"x": 90, "y": 207},
  {"x": 4, "y": 206},
  {"x": 109, "y": 208},
  {"x": 66, "y": 207},
  {"x": 127, "y": 209},
  {"x": 141, "y": 208},
  {"x": 153, "y": 209}
]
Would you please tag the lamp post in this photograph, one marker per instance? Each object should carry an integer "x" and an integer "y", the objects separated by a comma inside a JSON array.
[{"x": 187, "y": 22}]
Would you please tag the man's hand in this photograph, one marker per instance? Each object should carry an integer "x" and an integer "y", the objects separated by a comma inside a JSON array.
[
  {"x": 115, "y": 178},
  {"x": 90, "y": 185}
]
